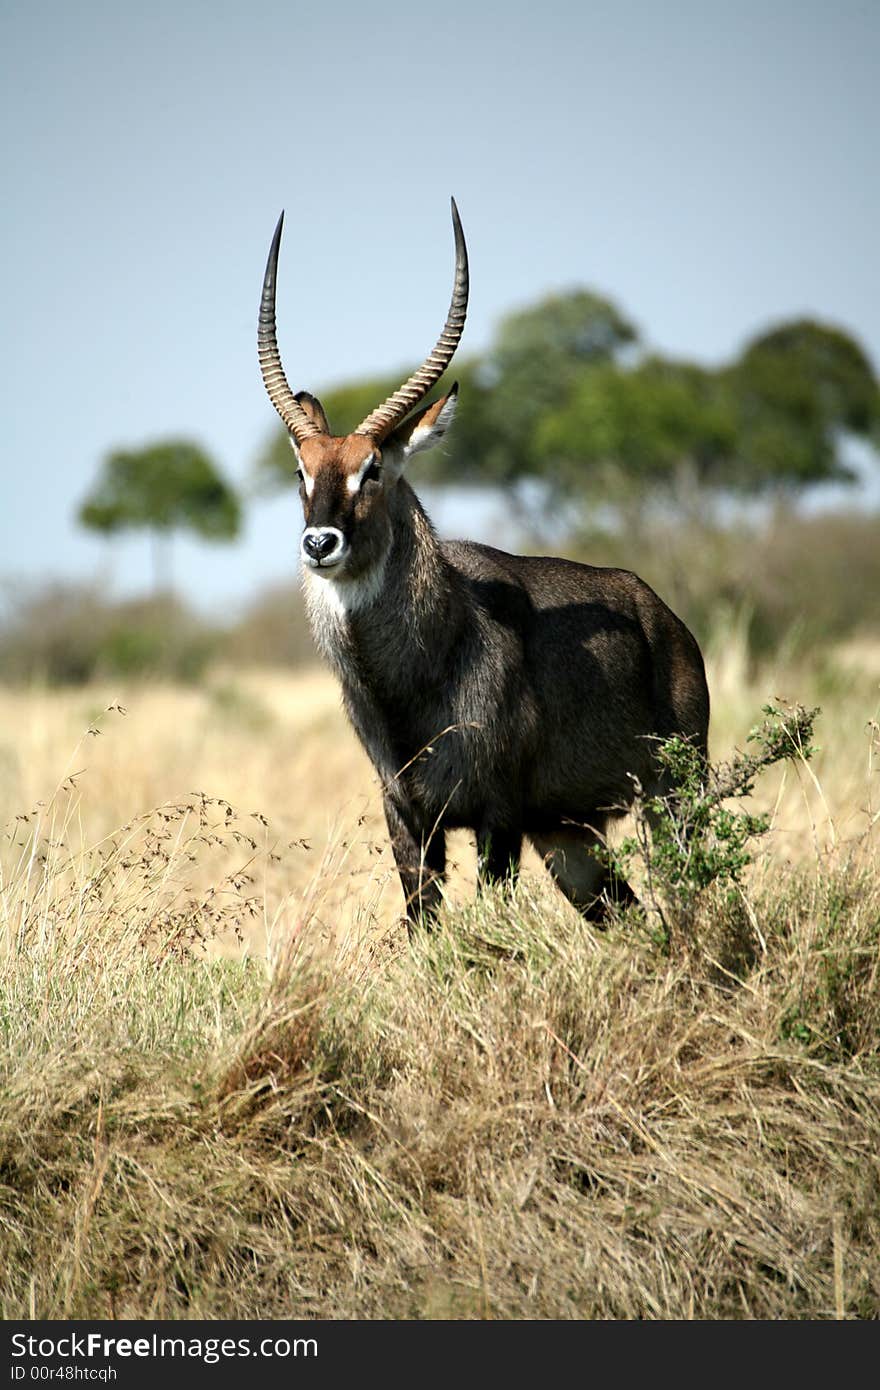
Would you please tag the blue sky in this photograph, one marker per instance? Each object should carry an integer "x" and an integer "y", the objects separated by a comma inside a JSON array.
[{"x": 710, "y": 166}]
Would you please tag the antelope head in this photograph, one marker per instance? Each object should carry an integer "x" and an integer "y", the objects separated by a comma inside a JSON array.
[{"x": 346, "y": 480}]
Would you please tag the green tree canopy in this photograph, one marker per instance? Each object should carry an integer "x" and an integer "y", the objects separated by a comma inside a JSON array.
[
  {"x": 775, "y": 419},
  {"x": 639, "y": 428},
  {"x": 162, "y": 488},
  {"x": 798, "y": 388},
  {"x": 547, "y": 342},
  {"x": 561, "y": 394},
  {"x": 537, "y": 356}
]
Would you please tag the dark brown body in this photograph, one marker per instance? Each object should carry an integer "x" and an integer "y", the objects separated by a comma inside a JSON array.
[{"x": 513, "y": 696}]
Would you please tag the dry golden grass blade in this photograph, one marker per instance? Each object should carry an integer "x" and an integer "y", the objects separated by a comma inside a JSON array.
[{"x": 230, "y": 1087}]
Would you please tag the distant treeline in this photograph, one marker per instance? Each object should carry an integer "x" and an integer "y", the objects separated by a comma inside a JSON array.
[
  {"x": 566, "y": 393},
  {"x": 792, "y": 584}
]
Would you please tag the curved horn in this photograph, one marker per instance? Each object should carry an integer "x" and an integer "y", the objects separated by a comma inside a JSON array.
[
  {"x": 280, "y": 394},
  {"x": 388, "y": 415}
]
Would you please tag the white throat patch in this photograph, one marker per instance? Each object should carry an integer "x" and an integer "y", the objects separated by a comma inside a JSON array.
[{"x": 330, "y": 601}]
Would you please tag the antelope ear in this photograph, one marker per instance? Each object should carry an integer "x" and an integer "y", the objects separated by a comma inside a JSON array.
[
  {"x": 314, "y": 409},
  {"x": 422, "y": 430}
]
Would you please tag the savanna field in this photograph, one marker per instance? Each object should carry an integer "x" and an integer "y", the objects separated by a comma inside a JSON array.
[
  {"x": 232, "y": 1087},
  {"x": 237, "y": 1082}
]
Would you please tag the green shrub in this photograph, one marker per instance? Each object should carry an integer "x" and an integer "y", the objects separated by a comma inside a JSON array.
[
  {"x": 68, "y": 634},
  {"x": 791, "y": 582},
  {"x": 693, "y": 839}
]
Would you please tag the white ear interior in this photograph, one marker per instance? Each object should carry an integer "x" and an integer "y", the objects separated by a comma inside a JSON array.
[{"x": 424, "y": 435}]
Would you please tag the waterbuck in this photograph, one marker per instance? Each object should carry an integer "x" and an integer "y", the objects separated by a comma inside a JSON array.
[{"x": 513, "y": 696}]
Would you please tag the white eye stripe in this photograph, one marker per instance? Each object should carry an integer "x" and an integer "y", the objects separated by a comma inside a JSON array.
[
  {"x": 307, "y": 481},
  {"x": 354, "y": 481}
]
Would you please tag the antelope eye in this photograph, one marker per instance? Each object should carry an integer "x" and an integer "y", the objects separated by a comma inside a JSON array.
[{"x": 372, "y": 473}]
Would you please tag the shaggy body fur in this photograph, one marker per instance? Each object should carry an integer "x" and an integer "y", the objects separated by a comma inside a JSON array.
[{"x": 509, "y": 695}]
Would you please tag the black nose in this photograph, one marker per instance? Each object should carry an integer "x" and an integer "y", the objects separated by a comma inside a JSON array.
[{"x": 319, "y": 543}]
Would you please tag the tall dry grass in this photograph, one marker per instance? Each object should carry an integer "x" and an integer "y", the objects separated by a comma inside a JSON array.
[
  {"x": 277, "y": 747},
  {"x": 231, "y": 1087}
]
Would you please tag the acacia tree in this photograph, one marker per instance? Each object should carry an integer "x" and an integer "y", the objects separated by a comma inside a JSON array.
[
  {"x": 537, "y": 356},
  {"x": 564, "y": 394},
  {"x": 799, "y": 389},
  {"x": 658, "y": 425},
  {"x": 162, "y": 488},
  {"x": 773, "y": 421}
]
